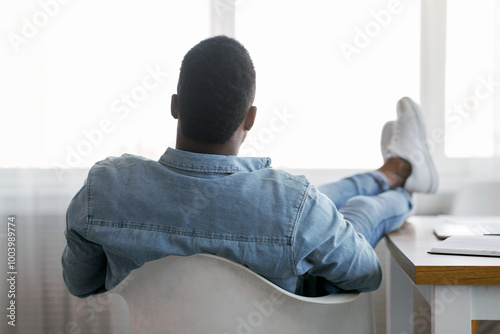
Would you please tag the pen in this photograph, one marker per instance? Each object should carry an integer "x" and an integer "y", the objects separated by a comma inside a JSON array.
[{"x": 492, "y": 234}]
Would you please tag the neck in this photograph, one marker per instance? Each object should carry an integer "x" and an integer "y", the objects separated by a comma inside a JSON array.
[{"x": 186, "y": 144}]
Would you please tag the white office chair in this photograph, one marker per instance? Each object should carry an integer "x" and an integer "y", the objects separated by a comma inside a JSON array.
[
  {"x": 209, "y": 294},
  {"x": 477, "y": 199}
]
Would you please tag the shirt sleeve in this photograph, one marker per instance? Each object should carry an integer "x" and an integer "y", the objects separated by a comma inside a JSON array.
[
  {"x": 84, "y": 262},
  {"x": 327, "y": 246}
]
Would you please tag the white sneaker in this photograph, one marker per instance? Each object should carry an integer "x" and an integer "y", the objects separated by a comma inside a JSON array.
[
  {"x": 409, "y": 143},
  {"x": 385, "y": 139}
]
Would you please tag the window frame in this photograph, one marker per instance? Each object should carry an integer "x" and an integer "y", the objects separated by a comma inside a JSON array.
[{"x": 432, "y": 88}]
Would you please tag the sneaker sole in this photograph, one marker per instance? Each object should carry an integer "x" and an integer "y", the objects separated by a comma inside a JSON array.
[{"x": 415, "y": 109}]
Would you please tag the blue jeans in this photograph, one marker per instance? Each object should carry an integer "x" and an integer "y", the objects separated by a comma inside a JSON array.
[{"x": 369, "y": 205}]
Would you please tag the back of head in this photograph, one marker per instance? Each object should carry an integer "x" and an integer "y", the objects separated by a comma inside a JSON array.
[{"x": 216, "y": 88}]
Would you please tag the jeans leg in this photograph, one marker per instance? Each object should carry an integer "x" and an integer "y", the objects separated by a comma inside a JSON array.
[
  {"x": 375, "y": 216},
  {"x": 368, "y": 184}
]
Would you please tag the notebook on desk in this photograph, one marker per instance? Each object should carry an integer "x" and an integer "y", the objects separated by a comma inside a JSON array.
[
  {"x": 469, "y": 245},
  {"x": 467, "y": 226}
]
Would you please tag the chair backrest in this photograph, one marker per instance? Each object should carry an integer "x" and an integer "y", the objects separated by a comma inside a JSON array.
[
  {"x": 478, "y": 199},
  {"x": 209, "y": 294}
]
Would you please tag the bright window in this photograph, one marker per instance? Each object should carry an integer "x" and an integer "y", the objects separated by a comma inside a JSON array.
[
  {"x": 329, "y": 75},
  {"x": 93, "y": 79},
  {"x": 472, "y": 115},
  {"x": 110, "y": 82},
  {"x": 96, "y": 78}
]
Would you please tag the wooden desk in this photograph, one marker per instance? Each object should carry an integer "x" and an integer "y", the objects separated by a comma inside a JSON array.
[{"x": 458, "y": 288}]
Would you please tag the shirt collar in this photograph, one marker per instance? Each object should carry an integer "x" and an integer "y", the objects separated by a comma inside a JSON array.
[{"x": 213, "y": 163}]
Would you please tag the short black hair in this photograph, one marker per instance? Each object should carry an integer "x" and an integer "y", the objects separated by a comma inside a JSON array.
[{"x": 215, "y": 90}]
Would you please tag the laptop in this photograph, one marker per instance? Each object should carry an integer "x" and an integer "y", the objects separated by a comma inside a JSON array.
[
  {"x": 469, "y": 245},
  {"x": 467, "y": 226}
]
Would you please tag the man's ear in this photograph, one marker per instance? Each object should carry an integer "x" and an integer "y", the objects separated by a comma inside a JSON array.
[
  {"x": 174, "y": 107},
  {"x": 250, "y": 118}
]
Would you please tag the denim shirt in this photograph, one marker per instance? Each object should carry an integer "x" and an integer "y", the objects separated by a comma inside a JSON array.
[{"x": 132, "y": 210}]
